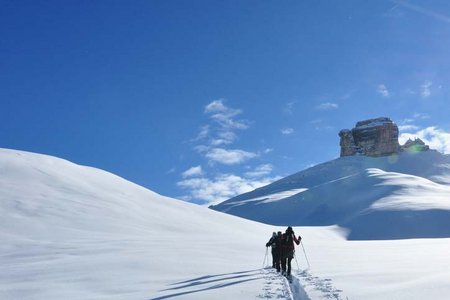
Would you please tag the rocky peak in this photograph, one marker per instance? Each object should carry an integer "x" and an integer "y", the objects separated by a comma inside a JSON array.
[
  {"x": 373, "y": 137},
  {"x": 415, "y": 145}
]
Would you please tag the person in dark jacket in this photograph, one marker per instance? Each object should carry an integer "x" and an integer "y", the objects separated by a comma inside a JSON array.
[
  {"x": 288, "y": 250},
  {"x": 273, "y": 244},
  {"x": 283, "y": 252}
]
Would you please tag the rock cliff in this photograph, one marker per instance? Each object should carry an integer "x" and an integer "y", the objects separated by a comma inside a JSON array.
[{"x": 373, "y": 137}]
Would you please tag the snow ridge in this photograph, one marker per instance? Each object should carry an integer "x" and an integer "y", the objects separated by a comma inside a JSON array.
[{"x": 411, "y": 190}]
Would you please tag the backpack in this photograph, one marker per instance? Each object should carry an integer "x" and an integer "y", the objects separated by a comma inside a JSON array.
[{"x": 288, "y": 242}]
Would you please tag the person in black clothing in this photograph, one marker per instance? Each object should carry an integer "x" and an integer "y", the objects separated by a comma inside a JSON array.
[
  {"x": 273, "y": 243},
  {"x": 283, "y": 253},
  {"x": 288, "y": 250}
]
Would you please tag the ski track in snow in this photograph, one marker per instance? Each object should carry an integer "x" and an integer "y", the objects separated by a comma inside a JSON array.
[
  {"x": 322, "y": 285},
  {"x": 274, "y": 285},
  {"x": 278, "y": 287}
]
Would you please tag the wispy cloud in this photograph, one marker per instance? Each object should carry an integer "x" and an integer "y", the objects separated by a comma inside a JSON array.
[
  {"x": 287, "y": 131},
  {"x": 194, "y": 171},
  {"x": 222, "y": 187},
  {"x": 425, "y": 90},
  {"x": 262, "y": 170},
  {"x": 223, "y": 126},
  {"x": 228, "y": 156},
  {"x": 433, "y": 136},
  {"x": 213, "y": 143},
  {"x": 415, "y": 117},
  {"x": 289, "y": 108},
  {"x": 224, "y": 115},
  {"x": 203, "y": 133},
  {"x": 421, "y": 116},
  {"x": 422, "y": 10},
  {"x": 320, "y": 125},
  {"x": 383, "y": 91},
  {"x": 327, "y": 106},
  {"x": 403, "y": 128},
  {"x": 224, "y": 138}
]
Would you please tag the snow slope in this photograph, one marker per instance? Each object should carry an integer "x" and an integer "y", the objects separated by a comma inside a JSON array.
[
  {"x": 395, "y": 197},
  {"x": 74, "y": 232}
]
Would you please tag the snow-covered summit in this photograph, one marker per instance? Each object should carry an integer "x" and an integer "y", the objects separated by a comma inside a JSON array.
[{"x": 399, "y": 196}]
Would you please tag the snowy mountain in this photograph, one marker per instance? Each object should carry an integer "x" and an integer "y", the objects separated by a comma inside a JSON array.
[
  {"x": 398, "y": 196},
  {"x": 75, "y": 232}
]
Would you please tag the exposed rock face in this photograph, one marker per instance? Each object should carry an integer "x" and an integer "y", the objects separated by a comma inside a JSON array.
[
  {"x": 415, "y": 146},
  {"x": 374, "y": 137},
  {"x": 347, "y": 143}
]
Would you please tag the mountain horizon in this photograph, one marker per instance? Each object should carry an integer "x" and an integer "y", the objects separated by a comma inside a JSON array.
[
  {"x": 77, "y": 232},
  {"x": 408, "y": 191}
]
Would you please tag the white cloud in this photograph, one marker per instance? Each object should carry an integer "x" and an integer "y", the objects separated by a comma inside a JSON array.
[
  {"x": 327, "y": 106},
  {"x": 221, "y": 188},
  {"x": 216, "y": 106},
  {"x": 434, "y": 137},
  {"x": 260, "y": 171},
  {"x": 407, "y": 127},
  {"x": 421, "y": 116},
  {"x": 416, "y": 116},
  {"x": 224, "y": 115},
  {"x": 194, "y": 171},
  {"x": 204, "y": 131},
  {"x": 287, "y": 131},
  {"x": 425, "y": 90},
  {"x": 222, "y": 129},
  {"x": 229, "y": 156},
  {"x": 214, "y": 147},
  {"x": 224, "y": 138},
  {"x": 201, "y": 148},
  {"x": 383, "y": 91},
  {"x": 219, "y": 142}
]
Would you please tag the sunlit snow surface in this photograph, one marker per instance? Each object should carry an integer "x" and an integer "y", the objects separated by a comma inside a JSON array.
[
  {"x": 74, "y": 232},
  {"x": 269, "y": 198},
  {"x": 415, "y": 193},
  {"x": 393, "y": 197}
]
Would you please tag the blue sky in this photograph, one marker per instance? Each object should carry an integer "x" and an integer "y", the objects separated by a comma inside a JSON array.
[{"x": 203, "y": 100}]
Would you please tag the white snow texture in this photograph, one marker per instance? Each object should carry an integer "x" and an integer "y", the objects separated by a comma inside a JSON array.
[{"x": 75, "y": 232}]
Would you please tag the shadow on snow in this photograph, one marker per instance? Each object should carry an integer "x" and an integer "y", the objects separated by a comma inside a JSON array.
[{"x": 205, "y": 283}]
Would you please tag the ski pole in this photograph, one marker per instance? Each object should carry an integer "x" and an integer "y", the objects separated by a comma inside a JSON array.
[
  {"x": 295, "y": 256},
  {"x": 264, "y": 261},
  {"x": 305, "y": 254}
]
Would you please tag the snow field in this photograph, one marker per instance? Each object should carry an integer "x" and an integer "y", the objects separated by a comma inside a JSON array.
[{"x": 73, "y": 232}]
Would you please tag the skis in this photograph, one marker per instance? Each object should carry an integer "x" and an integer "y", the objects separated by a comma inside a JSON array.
[{"x": 288, "y": 277}]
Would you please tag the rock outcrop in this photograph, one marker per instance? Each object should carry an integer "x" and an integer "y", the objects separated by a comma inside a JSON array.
[
  {"x": 415, "y": 146},
  {"x": 374, "y": 137}
]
